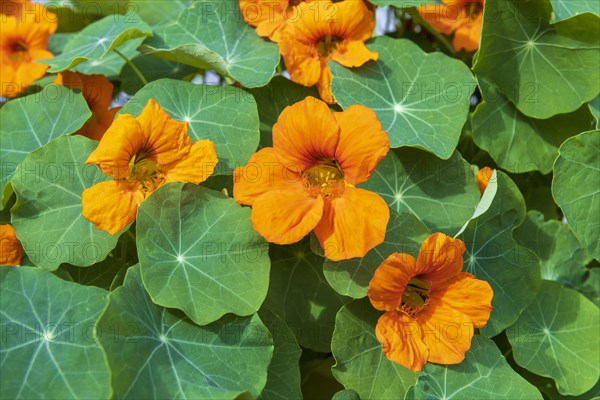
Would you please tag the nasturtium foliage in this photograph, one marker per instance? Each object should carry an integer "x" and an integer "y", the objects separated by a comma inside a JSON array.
[
  {"x": 566, "y": 9},
  {"x": 47, "y": 216},
  {"x": 49, "y": 338},
  {"x": 557, "y": 337},
  {"x": 199, "y": 253},
  {"x": 156, "y": 353}
]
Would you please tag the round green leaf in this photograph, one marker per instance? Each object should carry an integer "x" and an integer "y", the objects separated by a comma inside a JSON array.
[
  {"x": 543, "y": 69},
  {"x": 155, "y": 13},
  {"x": 24, "y": 128},
  {"x": 112, "y": 63},
  {"x": 151, "y": 68},
  {"x": 47, "y": 216},
  {"x": 224, "y": 114},
  {"x": 492, "y": 255},
  {"x": 576, "y": 188},
  {"x": 557, "y": 337},
  {"x": 154, "y": 353},
  {"x": 441, "y": 194},
  {"x": 299, "y": 293},
  {"x": 422, "y": 100},
  {"x": 346, "y": 394},
  {"x": 484, "y": 374},
  {"x": 361, "y": 364},
  {"x": 283, "y": 377},
  {"x": 199, "y": 253},
  {"x": 213, "y": 35},
  {"x": 564, "y": 9},
  {"x": 49, "y": 342}
]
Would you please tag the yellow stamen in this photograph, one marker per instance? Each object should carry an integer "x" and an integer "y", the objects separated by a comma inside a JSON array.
[{"x": 326, "y": 179}]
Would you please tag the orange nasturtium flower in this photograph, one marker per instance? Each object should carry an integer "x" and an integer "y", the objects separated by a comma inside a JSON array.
[
  {"x": 326, "y": 31},
  {"x": 142, "y": 154},
  {"x": 97, "y": 91},
  {"x": 306, "y": 181},
  {"x": 13, "y": 7},
  {"x": 10, "y": 247},
  {"x": 483, "y": 178},
  {"x": 270, "y": 16},
  {"x": 23, "y": 41},
  {"x": 464, "y": 18},
  {"x": 431, "y": 307}
]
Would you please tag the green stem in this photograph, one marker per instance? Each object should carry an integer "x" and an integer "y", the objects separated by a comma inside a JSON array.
[
  {"x": 133, "y": 66},
  {"x": 440, "y": 38}
]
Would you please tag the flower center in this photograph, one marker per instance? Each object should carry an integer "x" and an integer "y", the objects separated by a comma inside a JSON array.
[
  {"x": 145, "y": 172},
  {"x": 18, "y": 51},
  {"x": 415, "y": 297},
  {"x": 325, "y": 179},
  {"x": 327, "y": 44}
]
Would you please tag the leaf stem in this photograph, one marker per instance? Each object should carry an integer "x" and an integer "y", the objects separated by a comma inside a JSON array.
[{"x": 133, "y": 67}]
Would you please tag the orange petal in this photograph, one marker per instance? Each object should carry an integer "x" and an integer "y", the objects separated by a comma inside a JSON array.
[
  {"x": 263, "y": 172},
  {"x": 11, "y": 250},
  {"x": 96, "y": 89},
  {"x": 324, "y": 86},
  {"x": 111, "y": 205},
  {"x": 301, "y": 60},
  {"x": 468, "y": 35},
  {"x": 196, "y": 166},
  {"x": 483, "y": 178},
  {"x": 390, "y": 280},
  {"x": 443, "y": 18},
  {"x": 470, "y": 296},
  {"x": 286, "y": 216},
  {"x": 305, "y": 133},
  {"x": 402, "y": 340},
  {"x": 98, "y": 123},
  {"x": 352, "y": 224},
  {"x": 167, "y": 139},
  {"x": 353, "y": 54},
  {"x": 121, "y": 141},
  {"x": 440, "y": 258},
  {"x": 363, "y": 143}
]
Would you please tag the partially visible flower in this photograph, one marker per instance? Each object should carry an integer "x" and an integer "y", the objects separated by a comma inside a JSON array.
[
  {"x": 483, "y": 178},
  {"x": 307, "y": 180},
  {"x": 431, "y": 307},
  {"x": 464, "y": 18},
  {"x": 11, "y": 250},
  {"x": 326, "y": 31},
  {"x": 142, "y": 154},
  {"x": 97, "y": 91},
  {"x": 270, "y": 16},
  {"x": 13, "y": 7},
  {"x": 23, "y": 41}
]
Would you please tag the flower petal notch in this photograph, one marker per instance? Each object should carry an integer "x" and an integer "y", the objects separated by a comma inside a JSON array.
[
  {"x": 306, "y": 181},
  {"x": 431, "y": 307},
  {"x": 141, "y": 154}
]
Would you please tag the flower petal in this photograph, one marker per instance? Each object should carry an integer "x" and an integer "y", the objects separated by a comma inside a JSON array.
[
  {"x": 324, "y": 86},
  {"x": 196, "y": 166},
  {"x": 389, "y": 281},
  {"x": 483, "y": 178},
  {"x": 286, "y": 216},
  {"x": 111, "y": 205},
  {"x": 362, "y": 144},
  {"x": 353, "y": 54},
  {"x": 440, "y": 258},
  {"x": 11, "y": 250},
  {"x": 305, "y": 133},
  {"x": 470, "y": 296},
  {"x": 352, "y": 224},
  {"x": 402, "y": 340},
  {"x": 468, "y": 35}
]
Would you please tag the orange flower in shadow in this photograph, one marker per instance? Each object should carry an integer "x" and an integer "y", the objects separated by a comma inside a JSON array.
[
  {"x": 483, "y": 178},
  {"x": 326, "y": 31},
  {"x": 464, "y": 18},
  {"x": 307, "y": 180},
  {"x": 23, "y": 41},
  {"x": 141, "y": 154},
  {"x": 270, "y": 16},
  {"x": 97, "y": 91},
  {"x": 431, "y": 307},
  {"x": 11, "y": 250}
]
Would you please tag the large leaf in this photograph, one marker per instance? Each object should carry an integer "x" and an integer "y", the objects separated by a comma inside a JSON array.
[
  {"x": 564, "y": 9},
  {"x": 518, "y": 143},
  {"x": 299, "y": 293},
  {"x": 49, "y": 346},
  {"x": 154, "y": 353},
  {"x": 543, "y": 69},
  {"x": 361, "y": 364},
  {"x": 404, "y": 234},
  {"x": 513, "y": 271},
  {"x": 224, "y": 114},
  {"x": 155, "y": 13},
  {"x": 152, "y": 69},
  {"x": 32, "y": 121},
  {"x": 96, "y": 40},
  {"x": 283, "y": 377},
  {"x": 484, "y": 374},
  {"x": 47, "y": 216},
  {"x": 199, "y": 253},
  {"x": 557, "y": 336},
  {"x": 112, "y": 63},
  {"x": 211, "y": 35},
  {"x": 576, "y": 188},
  {"x": 441, "y": 194},
  {"x": 422, "y": 100}
]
